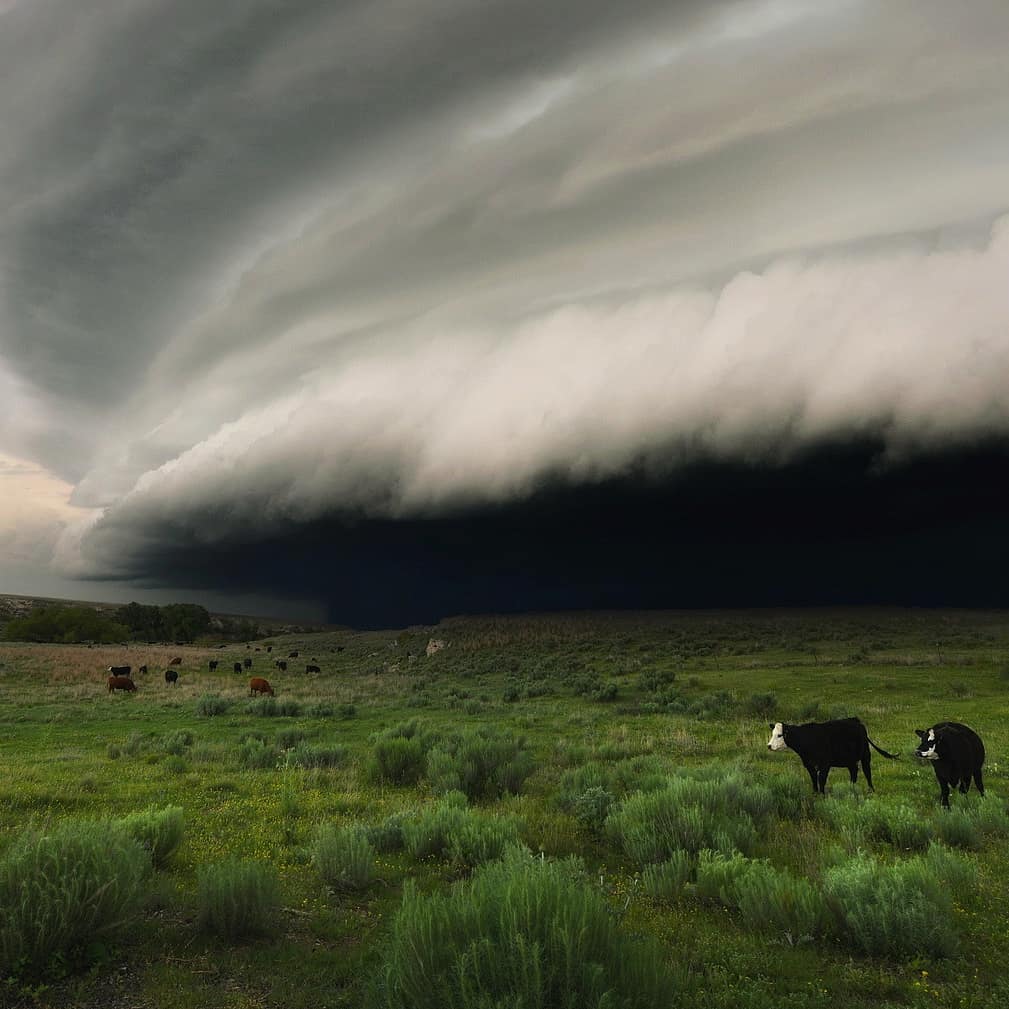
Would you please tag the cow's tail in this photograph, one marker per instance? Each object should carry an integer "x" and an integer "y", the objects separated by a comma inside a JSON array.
[{"x": 879, "y": 749}]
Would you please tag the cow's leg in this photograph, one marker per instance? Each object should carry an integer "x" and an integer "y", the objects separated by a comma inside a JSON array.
[
  {"x": 821, "y": 775},
  {"x": 977, "y": 780},
  {"x": 944, "y": 790},
  {"x": 853, "y": 773},
  {"x": 965, "y": 784},
  {"x": 867, "y": 769},
  {"x": 812, "y": 775}
]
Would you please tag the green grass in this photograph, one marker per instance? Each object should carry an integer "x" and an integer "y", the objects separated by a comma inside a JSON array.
[{"x": 517, "y": 711}]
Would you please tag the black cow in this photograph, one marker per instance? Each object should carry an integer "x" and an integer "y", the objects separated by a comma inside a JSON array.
[
  {"x": 120, "y": 670},
  {"x": 312, "y": 669},
  {"x": 292, "y": 655},
  {"x": 238, "y": 667},
  {"x": 843, "y": 742},
  {"x": 213, "y": 664},
  {"x": 956, "y": 753},
  {"x": 142, "y": 670},
  {"x": 248, "y": 663},
  {"x": 281, "y": 664},
  {"x": 171, "y": 676}
]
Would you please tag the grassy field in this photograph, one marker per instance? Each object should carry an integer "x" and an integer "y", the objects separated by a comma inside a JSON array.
[{"x": 599, "y": 732}]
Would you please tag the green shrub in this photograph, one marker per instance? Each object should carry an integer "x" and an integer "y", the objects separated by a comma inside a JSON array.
[
  {"x": 399, "y": 760},
  {"x": 158, "y": 831},
  {"x": 760, "y": 705},
  {"x": 642, "y": 774},
  {"x": 62, "y": 889},
  {"x": 900, "y": 910},
  {"x": 287, "y": 739},
  {"x": 257, "y": 755},
  {"x": 687, "y": 814},
  {"x": 318, "y": 755},
  {"x": 236, "y": 898},
  {"x": 522, "y": 933},
  {"x": 387, "y": 836},
  {"x": 212, "y": 704},
  {"x": 666, "y": 880},
  {"x": 447, "y": 829},
  {"x": 482, "y": 763},
  {"x": 592, "y": 807},
  {"x": 270, "y": 707},
  {"x": 770, "y": 898},
  {"x": 176, "y": 743},
  {"x": 319, "y": 710},
  {"x": 719, "y": 875},
  {"x": 343, "y": 857}
]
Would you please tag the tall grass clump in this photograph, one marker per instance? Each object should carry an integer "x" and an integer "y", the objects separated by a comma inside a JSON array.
[
  {"x": 448, "y": 829},
  {"x": 318, "y": 755},
  {"x": 237, "y": 899},
  {"x": 258, "y": 755},
  {"x": 270, "y": 707},
  {"x": 63, "y": 889},
  {"x": 387, "y": 836},
  {"x": 876, "y": 820},
  {"x": 158, "y": 831},
  {"x": 768, "y": 898},
  {"x": 209, "y": 705},
  {"x": 666, "y": 880},
  {"x": 687, "y": 815},
  {"x": 343, "y": 857},
  {"x": 988, "y": 815},
  {"x": 956, "y": 828},
  {"x": 480, "y": 763},
  {"x": 523, "y": 933},
  {"x": 634, "y": 774},
  {"x": 900, "y": 910},
  {"x": 399, "y": 754}
]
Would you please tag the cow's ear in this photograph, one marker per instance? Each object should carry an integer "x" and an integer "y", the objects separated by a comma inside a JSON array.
[
  {"x": 920, "y": 733},
  {"x": 770, "y": 725}
]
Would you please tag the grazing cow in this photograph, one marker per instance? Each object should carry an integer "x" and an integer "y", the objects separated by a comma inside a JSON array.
[
  {"x": 177, "y": 661},
  {"x": 312, "y": 669},
  {"x": 248, "y": 663},
  {"x": 292, "y": 655},
  {"x": 257, "y": 685},
  {"x": 843, "y": 742},
  {"x": 238, "y": 667},
  {"x": 121, "y": 683},
  {"x": 213, "y": 665},
  {"x": 142, "y": 670},
  {"x": 281, "y": 664},
  {"x": 339, "y": 648},
  {"x": 269, "y": 648},
  {"x": 120, "y": 670},
  {"x": 171, "y": 676},
  {"x": 956, "y": 753}
]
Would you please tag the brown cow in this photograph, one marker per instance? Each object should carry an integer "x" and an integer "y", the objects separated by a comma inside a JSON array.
[
  {"x": 257, "y": 685},
  {"x": 121, "y": 683},
  {"x": 177, "y": 661}
]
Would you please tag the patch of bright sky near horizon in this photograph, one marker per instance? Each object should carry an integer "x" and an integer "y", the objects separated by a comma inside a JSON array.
[{"x": 261, "y": 264}]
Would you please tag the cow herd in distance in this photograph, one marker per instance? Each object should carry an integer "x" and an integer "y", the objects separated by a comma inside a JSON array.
[
  {"x": 955, "y": 751},
  {"x": 121, "y": 677}
]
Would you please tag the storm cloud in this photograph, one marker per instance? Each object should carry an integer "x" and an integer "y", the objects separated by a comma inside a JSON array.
[{"x": 276, "y": 271}]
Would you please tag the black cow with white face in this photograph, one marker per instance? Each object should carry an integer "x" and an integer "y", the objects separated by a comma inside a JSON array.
[
  {"x": 843, "y": 742},
  {"x": 956, "y": 754}
]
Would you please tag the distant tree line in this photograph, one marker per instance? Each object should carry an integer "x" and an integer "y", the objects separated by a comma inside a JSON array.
[
  {"x": 65, "y": 624},
  {"x": 178, "y": 622}
]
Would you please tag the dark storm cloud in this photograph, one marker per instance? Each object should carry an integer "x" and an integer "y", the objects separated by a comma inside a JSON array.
[{"x": 264, "y": 266}]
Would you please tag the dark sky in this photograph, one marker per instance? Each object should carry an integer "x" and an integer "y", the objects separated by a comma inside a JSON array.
[{"x": 835, "y": 526}]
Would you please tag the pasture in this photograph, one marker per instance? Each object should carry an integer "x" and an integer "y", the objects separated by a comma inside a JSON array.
[{"x": 613, "y": 764}]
